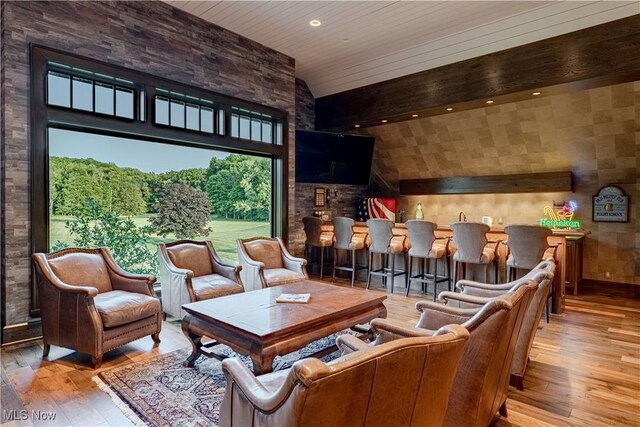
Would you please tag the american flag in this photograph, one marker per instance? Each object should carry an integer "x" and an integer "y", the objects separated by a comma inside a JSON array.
[{"x": 376, "y": 207}]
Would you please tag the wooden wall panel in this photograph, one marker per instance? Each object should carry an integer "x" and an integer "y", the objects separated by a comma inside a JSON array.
[{"x": 598, "y": 56}]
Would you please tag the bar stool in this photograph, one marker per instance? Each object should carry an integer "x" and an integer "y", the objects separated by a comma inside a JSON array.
[
  {"x": 382, "y": 242},
  {"x": 422, "y": 237},
  {"x": 471, "y": 243},
  {"x": 345, "y": 240},
  {"x": 316, "y": 238},
  {"x": 528, "y": 246}
]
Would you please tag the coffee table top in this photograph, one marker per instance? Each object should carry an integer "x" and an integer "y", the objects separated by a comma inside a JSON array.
[{"x": 258, "y": 313}]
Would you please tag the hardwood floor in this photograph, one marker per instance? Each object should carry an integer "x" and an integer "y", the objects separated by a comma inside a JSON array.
[{"x": 584, "y": 370}]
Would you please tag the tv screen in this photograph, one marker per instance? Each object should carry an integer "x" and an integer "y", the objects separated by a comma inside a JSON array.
[{"x": 333, "y": 158}]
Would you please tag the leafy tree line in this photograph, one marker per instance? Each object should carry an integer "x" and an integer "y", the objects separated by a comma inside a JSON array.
[{"x": 236, "y": 187}]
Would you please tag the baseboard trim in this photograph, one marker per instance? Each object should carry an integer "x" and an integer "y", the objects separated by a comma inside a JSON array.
[
  {"x": 22, "y": 332},
  {"x": 614, "y": 289}
]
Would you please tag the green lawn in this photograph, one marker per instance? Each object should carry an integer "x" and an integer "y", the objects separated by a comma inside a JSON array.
[{"x": 224, "y": 233}]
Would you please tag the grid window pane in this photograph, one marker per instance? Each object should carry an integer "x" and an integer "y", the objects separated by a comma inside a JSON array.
[
  {"x": 266, "y": 132},
  {"x": 221, "y": 122},
  {"x": 82, "y": 94},
  {"x": 124, "y": 103},
  {"x": 245, "y": 127},
  {"x": 162, "y": 110},
  {"x": 235, "y": 125},
  {"x": 104, "y": 98},
  {"x": 58, "y": 89},
  {"x": 177, "y": 113},
  {"x": 206, "y": 119},
  {"x": 256, "y": 130},
  {"x": 193, "y": 117}
]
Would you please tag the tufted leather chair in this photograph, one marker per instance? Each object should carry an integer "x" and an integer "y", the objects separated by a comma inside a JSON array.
[
  {"x": 482, "y": 379},
  {"x": 91, "y": 305},
  {"x": 478, "y": 294},
  {"x": 191, "y": 271},
  {"x": 266, "y": 262},
  {"x": 362, "y": 388}
]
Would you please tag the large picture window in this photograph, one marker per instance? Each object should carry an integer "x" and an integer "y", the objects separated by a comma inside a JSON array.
[{"x": 127, "y": 160}]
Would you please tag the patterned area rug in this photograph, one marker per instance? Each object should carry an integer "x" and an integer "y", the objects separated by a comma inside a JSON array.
[{"x": 163, "y": 392}]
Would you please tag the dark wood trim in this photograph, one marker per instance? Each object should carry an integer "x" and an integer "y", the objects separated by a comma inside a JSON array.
[
  {"x": 517, "y": 183},
  {"x": 612, "y": 289},
  {"x": 15, "y": 334},
  {"x": 597, "y": 56}
]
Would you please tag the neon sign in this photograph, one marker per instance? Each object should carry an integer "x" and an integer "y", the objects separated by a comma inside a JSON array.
[{"x": 561, "y": 218}]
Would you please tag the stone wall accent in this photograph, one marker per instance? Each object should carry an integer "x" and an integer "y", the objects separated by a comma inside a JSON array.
[
  {"x": 152, "y": 37},
  {"x": 593, "y": 133}
]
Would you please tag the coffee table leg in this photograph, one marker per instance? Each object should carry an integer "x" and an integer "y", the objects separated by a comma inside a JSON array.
[
  {"x": 262, "y": 364},
  {"x": 194, "y": 339}
]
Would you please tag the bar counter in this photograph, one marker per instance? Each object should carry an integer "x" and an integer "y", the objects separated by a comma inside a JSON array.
[{"x": 568, "y": 245}]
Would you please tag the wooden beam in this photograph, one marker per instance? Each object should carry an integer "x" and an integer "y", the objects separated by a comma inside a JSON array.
[
  {"x": 519, "y": 183},
  {"x": 597, "y": 56}
]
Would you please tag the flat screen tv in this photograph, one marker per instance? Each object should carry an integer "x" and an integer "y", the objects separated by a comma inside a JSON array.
[{"x": 333, "y": 158}]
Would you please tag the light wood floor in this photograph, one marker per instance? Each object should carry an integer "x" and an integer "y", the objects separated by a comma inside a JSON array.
[{"x": 584, "y": 370}]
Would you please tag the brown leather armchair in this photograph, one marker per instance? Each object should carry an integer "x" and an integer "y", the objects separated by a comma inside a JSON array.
[
  {"x": 266, "y": 262},
  {"x": 480, "y": 387},
  {"x": 192, "y": 271},
  {"x": 91, "y": 305},
  {"x": 362, "y": 388},
  {"x": 477, "y": 294}
]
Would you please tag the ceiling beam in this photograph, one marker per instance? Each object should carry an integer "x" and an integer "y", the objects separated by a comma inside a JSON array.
[{"x": 597, "y": 56}]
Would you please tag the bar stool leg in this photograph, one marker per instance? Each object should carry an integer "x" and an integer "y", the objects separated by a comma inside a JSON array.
[
  {"x": 435, "y": 278},
  {"x": 486, "y": 272},
  {"x": 406, "y": 265},
  {"x": 409, "y": 276},
  {"x": 321, "y": 261},
  {"x": 335, "y": 262},
  {"x": 447, "y": 262},
  {"x": 370, "y": 269},
  {"x": 393, "y": 268},
  {"x": 353, "y": 266}
]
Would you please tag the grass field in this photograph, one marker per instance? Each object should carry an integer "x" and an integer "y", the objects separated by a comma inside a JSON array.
[{"x": 224, "y": 233}]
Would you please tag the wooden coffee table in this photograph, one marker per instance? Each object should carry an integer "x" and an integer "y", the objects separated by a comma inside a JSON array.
[{"x": 253, "y": 323}]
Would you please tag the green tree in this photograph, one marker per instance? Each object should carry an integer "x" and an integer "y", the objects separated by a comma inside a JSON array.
[
  {"x": 125, "y": 240},
  {"x": 183, "y": 211}
]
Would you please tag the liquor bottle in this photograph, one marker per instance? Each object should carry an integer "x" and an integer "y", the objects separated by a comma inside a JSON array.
[{"x": 419, "y": 214}]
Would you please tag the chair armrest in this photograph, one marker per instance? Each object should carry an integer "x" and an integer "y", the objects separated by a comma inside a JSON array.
[
  {"x": 291, "y": 262},
  {"x": 463, "y": 285},
  {"x": 436, "y": 315},
  {"x": 473, "y": 300},
  {"x": 42, "y": 266},
  {"x": 125, "y": 281},
  {"x": 231, "y": 272},
  {"x": 386, "y": 331},
  {"x": 238, "y": 375},
  {"x": 349, "y": 344},
  {"x": 252, "y": 276}
]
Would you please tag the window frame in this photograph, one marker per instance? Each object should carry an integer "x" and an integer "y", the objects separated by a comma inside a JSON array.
[{"x": 141, "y": 127}]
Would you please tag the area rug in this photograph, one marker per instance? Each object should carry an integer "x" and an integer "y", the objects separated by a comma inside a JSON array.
[{"x": 163, "y": 392}]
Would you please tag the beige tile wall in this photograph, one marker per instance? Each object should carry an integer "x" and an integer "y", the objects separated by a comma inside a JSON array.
[{"x": 594, "y": 133}]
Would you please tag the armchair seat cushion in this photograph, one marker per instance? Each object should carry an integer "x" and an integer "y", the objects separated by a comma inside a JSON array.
[
  {"x": 213, "y": 286},
  {"x": 120, "y": 307},
  {"x": 278, "y": 276}
]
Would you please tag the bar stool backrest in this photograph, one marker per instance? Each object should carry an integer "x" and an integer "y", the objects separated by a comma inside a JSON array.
[
  {"x": 313, "y": 230},
  {"x": 527, "y": 244},
  {"x": 381, "y": 233},
  {"x": 343, "y": 232},
  {"x": 421, "y": 235},
  {"x": 470, "y": 239}
]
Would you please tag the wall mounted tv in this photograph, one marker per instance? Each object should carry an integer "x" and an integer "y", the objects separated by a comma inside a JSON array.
[{"x": 333, "y": 158}]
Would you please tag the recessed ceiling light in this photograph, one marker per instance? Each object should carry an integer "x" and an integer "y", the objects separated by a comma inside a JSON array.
[
  {"x": 384, "y": 120},
  {"x": 315, "y": 23},
  {"x": 449, "y": 109},
  {"x": 536, "y": 93},
  {"x": 356, "y": 126},
  {"x": 489, "y": 102},
  {"x": 414, "y": 115}
]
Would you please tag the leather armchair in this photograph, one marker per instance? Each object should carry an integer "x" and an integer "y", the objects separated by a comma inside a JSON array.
[
  {"x": 266, "y": 262},
  {"x": 91, "y": 305},
  {"x": 192, "y": 271},
  {"x": 362, "y": 388},
  {"x": 477, "y": 294},
  {"x": 481, "y": 383}
]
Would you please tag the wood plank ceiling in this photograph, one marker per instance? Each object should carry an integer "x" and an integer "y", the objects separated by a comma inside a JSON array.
[{"x": 365, "y": 42}]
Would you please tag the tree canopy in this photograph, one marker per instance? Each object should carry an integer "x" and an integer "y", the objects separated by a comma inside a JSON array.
[{"x": 183, "y": 211}]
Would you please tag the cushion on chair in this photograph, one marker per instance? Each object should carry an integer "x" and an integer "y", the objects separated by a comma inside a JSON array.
[
  {"x": 120, "y": 307},
  {"x": 213, "y": 286},
  {"x": 267, "y": 252},
  {"x": 82, "y": 269},
  {"x": 192, "y": 257},
  {"x": 278, "y": 276}
]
